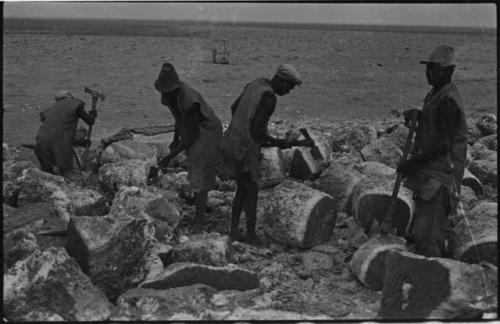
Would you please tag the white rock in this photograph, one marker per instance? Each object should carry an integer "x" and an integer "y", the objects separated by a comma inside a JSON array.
[{"x": 298, "y": 215}]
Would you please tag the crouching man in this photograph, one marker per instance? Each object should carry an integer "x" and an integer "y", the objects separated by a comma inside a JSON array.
[{"x": 54, "y": 147}]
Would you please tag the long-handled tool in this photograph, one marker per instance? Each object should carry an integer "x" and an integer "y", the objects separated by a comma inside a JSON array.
[
  {"x": 95, "y": 96},
  {"x": 80, "y": 166},
  {"x": 387, "y": 220}
]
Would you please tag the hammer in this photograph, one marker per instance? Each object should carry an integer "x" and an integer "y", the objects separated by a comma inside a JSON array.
[
  {"x": 95, "y": 96},
  {"x": 315, "y": 153}
]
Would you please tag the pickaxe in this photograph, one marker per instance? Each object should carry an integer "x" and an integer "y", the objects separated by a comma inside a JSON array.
[
  {"x": 79, "y": 164},
  {"x": 386, "y": 226},
  {"x": 95, "y": 96}
]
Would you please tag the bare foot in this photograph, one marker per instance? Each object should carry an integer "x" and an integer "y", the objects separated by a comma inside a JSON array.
[
  {"x": 255, "y": 241},
  {"x": 235, "y": 236},
  {"x": 199, "y": 225}
]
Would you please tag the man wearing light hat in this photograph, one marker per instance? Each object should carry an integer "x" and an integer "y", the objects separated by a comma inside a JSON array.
[
  {"x": 239, "y": 157},
  {"x": 198, "y": 131},
  {"x": 54, "y": 138},
  {"x": 435, "y": 169}
]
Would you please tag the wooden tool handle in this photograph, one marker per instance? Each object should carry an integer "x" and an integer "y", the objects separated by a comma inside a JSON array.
[{"x": 394, "y": 197}]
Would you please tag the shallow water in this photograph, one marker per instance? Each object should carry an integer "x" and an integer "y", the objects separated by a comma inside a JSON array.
[{"x": 348, "y": 74}]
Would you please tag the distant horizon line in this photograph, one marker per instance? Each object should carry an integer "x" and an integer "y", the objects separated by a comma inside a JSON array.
[{"x": 265, "y": 22}]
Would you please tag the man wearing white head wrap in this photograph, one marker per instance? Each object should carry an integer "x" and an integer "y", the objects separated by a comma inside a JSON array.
[
  {"x": 288, "y": 72},
  {"x": 63, "y": 94},
  {"x": 239, "y": 154},
  {"x": 54, "y": 138}
]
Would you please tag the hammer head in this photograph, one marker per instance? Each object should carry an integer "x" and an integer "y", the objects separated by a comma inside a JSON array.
[
  {"x": 315, "y": 152},
  {"x": 95, "y": 94},
  {"x": 305, "y": 133}
]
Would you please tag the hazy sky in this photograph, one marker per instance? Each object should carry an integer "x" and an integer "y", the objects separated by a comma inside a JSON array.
[{"x": 470, "y": 15}]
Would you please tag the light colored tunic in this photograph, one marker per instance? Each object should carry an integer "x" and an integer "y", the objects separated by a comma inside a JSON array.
[{"x": 202, "y": 154}]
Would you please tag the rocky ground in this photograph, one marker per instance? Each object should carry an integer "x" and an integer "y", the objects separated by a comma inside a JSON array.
[{"x": 122, "y": 248}]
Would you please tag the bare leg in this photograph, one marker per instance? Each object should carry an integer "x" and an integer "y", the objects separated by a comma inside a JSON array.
[
  {"x": 429, "y": 225},
  {"x": 201, "y": 204},
  {"x": 45, "y": 158},
  {"x": 252, "y": 192},
  {"x": 237, "y": 207},
  {"x": 47, "y": 169},
  {"x": 67, "y": 173},
  {"x": 73, "y": 175}
]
